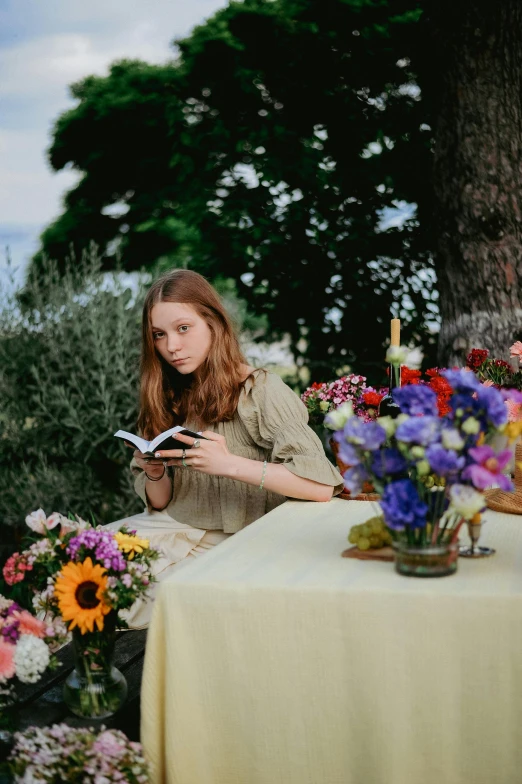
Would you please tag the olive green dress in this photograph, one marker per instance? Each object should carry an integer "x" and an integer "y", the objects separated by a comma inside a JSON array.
[{"x": 271, "y": 423}]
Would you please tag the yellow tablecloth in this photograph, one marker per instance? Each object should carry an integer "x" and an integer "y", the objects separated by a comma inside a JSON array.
[{"x": 272, "y": 660}]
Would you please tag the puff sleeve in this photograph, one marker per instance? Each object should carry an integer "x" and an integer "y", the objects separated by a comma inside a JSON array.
[{"x": 277, "y": 420}]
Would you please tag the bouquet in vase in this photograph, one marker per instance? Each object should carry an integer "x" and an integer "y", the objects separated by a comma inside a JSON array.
[
  {"x": 87, "y": 576},
  {"x": 430, "y": 470},
  {"x": 27, "y": 647}
]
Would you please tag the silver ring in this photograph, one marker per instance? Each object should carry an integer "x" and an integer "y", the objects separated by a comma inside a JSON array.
[
  {"x": 146, "y": 459},
  {"x": 165, "y": 463},
  {"x": 196, "y": 444},
  {"x": 183, "y": 454}
]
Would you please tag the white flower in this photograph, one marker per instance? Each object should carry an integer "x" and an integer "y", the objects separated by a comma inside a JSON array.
[
  {"x": 471, "y": 426},
  {"x": 466, "y": 501},
  {"x": 31, "y": 658},
  {"x": 451, "y": 439},
  {"x": 414, "y": 358},
  {"x": 337, "y": 419},
  {"x": 388, "y": 424},
  {"x": 396, "y": 355},
  {"x": 36, "y": 521},
  {"x": 39, "y": 523},
  {"x": 423, "y": 468}
]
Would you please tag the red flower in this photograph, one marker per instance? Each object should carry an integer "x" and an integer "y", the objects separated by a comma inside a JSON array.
[
  {"x": 477, "y": 357},
  {"x": 443, "y": 389},
  {"x": 317, "y": 385},
  {"x": 409, "y": 376},
  {"x": 372, "y": 399}
]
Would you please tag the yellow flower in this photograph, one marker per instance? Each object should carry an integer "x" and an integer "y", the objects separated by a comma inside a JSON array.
[
  {"x": 130, "y": 544},
  {"x": 513, "y": 430},
  {"x": 79, "y": 588}
]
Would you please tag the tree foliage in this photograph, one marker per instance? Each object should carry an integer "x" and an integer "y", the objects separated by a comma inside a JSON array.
[{"x": 269, "y": 151}]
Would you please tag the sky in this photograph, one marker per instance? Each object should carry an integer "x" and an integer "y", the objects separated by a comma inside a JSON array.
[{"x": 45, "y": 45}]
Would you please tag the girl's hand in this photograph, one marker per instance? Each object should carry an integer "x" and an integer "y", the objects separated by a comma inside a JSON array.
[
  {"x": 151, "y": 466},
  {"x": 210, "y": 455}
]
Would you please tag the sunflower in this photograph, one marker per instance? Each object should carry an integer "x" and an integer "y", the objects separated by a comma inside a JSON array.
[
  {"x": 130, "y": 544},
  {"x": 79, "y": 588}
]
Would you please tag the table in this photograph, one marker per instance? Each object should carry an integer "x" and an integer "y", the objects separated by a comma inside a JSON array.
[{"x": 272, "y": 660}]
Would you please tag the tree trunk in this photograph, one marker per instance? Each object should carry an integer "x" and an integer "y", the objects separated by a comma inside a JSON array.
[{"x": 478, "y": 175}]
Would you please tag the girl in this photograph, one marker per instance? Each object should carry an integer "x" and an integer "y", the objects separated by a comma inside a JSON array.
[{"x": 256, "y": 448}]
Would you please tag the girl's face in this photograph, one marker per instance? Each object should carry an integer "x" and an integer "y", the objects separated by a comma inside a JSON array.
[{"x": 180, "y": 335}]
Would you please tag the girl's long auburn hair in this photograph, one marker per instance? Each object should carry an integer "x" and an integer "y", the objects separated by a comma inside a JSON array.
[{"x": 168, "y": 398}]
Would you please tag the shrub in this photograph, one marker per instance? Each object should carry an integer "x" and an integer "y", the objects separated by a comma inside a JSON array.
[{"x": 69, "y": 368}]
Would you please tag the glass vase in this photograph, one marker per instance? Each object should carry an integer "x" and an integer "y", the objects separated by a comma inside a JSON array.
[
  {"x": 95, "y": 689},
  {"x": 429, "y": 561}
]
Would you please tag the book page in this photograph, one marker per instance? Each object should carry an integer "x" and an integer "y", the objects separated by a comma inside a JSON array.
[{"x": 139, "y": 443}]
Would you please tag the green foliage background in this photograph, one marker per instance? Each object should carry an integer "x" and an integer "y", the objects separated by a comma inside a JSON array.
[{"x": 268, "y": 152}]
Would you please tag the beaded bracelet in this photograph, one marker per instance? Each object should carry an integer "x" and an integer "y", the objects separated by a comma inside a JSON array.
[{"x": 263, "y": 477}]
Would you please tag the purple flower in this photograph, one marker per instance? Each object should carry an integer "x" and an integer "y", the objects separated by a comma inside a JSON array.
[
  {"x": 487, "y": 469},
  {"x": 388, "y": 462},
  {"x": 416, "y": 400},
  {"x": 462, "y": 380},
  {"x": 511, "y": 394},
  {"x": 354, "y": 478},
  {"x": 419, "y": 430},
  {"x": 102, "y": 544},
  {"x": 347, "y": 452},
  {"x": 493, "y": 405},
  {"x": 444, "y": 461},
  {"x": 366, "y": 435},
  {"x": 402, "y": 506}
]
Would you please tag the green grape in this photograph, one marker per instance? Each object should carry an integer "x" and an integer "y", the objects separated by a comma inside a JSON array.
[
  {"x": 363, "y": 543},
  {"x": 353, "y": 536},
  {"x": 366, "y": 531},
  {"x": 375, "y": 541},
  {"x": 377, "y": 524}
]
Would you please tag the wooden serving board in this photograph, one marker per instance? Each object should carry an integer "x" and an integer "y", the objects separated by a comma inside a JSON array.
[
  {"x": 360, "y": 497},
  {"x": 383, "y": 554}
]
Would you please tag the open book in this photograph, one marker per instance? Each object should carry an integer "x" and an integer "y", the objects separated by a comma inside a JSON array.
[{"x": 166, "y": 440}]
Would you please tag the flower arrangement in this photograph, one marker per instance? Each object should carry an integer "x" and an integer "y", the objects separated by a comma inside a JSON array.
[
  {"x": 430, "y": 469},
  {"x": 322, "y": 397},
  {"x": 87, "y": 576},
  {"x": 81, "y": 573},
  {"x": 496, "y": 372},
  {"x": 27, "y": 643},
  {"x": 52, "y": 755}
]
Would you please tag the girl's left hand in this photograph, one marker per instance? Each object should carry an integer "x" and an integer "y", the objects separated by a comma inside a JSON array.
[{"x": 210, "y": 457}]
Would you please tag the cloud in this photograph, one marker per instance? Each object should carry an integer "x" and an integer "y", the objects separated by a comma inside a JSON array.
[{"x": 44, "y": 47}]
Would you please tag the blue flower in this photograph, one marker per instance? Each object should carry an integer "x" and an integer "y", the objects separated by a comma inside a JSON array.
[
  {"x": 444, "y": 461},
  {"x": 416, "y": 400},
  {"x": 419, "y": 430},
  {"x": 348, "y": 453},
  {"x": 402, "y": 506},
  {"x": 388, "y": 462},
  {"x": 462, "y": 380},
  {"x": 366, "y": 435},
  {"x": 492, "y": 402},
  {"x": 354, "y": 478}
]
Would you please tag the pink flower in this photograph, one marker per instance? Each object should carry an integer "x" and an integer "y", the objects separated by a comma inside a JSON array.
[
  {"x": 39, "y": 523},
  {"x": 29, "y": 624},
  {"x": 7, "y": 665},
  {"x": 514, "y": 410},
  {"x": 15, "y": 568},
  {"x": 487, "y": 469},
  {"x": 516, "y": 350}
]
